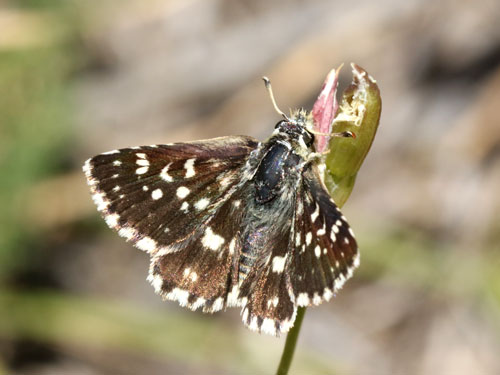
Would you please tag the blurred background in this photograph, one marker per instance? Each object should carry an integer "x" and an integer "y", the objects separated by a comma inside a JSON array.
[{"x": 78, "y": 78}]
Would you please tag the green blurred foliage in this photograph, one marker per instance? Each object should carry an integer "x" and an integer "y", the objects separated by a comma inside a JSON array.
[{"x": 35, "y": 126}]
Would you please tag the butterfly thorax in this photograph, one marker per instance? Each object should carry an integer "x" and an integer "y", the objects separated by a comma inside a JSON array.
[{"x": 279, "y": 171}]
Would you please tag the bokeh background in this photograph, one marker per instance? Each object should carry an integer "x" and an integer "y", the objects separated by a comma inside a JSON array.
[{"x": 79, "y": 78}]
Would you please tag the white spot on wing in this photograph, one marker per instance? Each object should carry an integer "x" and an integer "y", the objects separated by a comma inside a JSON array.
[
  {"x": 268, "y": 326},
  {"x": 117, "y": 163},
  {"x": 309, "y": 237},
  {"x": 182, "y": 192},
  {"x": 317, "y": 251},
  {"x": 316, "y": 299},
  {"x": 273, "y": 302},
  {"x": 202, "y": 204},
  {"x": 302, "y": 299},
  {"x": 179, "y": 295},
  {"x": 112, "y": 220},
  {"x": 254, "y": 325},
  {"x": 164, "y": 173},
  {"x": 200, "y": 301},
  {"x": 286, "y": 324},
  {"x": 211, "y": 240},
  {"x": 141, "y": 170},
  {"x": 297, "y": 239},
  {"x": 356, "y": 260},
  {"x": 218, "y": 304},
  {"x": 339, "y": 283},
  {"x": 244, "y": 315},
  {"x": 184, "y": 207},
  {"x": 279, "y": 264},
  {"x": 315, "y": 214},
  {"x": 232, "y": 297},
  {"x": 127, "y": 232},
  {"x": 156, "y": 281},
  {"x": 100, "y": 200},
  {"x": 327, "y": 294},
  {"x": 300, "y": 207},
  {"x": 157, "y": 194},
  {"x": 232, "y": 246},
  {"x": 88, "y": 172},
  {"x": 189, "y": 167},
  {"x": 333, "y": 237},
  {"x": 146, "y": 244},
  {"x": 142, "y": 162}
]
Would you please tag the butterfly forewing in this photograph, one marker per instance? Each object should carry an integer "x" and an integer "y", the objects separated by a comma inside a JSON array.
[{"x": 157, "y": 196}]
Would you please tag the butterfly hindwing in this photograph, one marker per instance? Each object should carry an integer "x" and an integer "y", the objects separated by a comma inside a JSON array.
[
  {"x": 325, "y": 250},
  {"x": 309, "y": 260},
  {"x": 266, "y": 294},
  {"x": 157, "y": 196},
  {"x": 204, "y": 271}
]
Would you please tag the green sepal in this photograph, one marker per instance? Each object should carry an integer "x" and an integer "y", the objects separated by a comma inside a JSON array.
[{"x": 358, "y": 112}]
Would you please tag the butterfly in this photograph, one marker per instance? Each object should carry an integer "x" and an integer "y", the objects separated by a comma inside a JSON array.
[{"x": 231, "y": 221}]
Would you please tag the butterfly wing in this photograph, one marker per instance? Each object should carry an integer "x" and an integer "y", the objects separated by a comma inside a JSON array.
[
  {"x": 324, "y": 247},
  {"x": 311, "y": 257},
  {"x": 172, "y": 201},
  {"x": 156, "y": 196},
  {"x": 204, "y": 271},
  {"x": 265, "y": 294}
]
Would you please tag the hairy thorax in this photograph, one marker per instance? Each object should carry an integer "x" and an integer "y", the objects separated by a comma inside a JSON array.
[{"x": 274, "y": 186}]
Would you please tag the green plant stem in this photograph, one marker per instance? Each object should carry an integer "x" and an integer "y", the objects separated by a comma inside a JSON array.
[{"x": 291, "y": 341}]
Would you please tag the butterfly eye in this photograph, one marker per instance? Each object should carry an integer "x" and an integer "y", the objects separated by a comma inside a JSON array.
[{"x": 308, "y": 138}]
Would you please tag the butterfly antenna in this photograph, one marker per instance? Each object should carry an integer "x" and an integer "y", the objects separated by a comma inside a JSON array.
[
  {"x": 346, "y": 134},
  {"x": 269, "y": 89}
]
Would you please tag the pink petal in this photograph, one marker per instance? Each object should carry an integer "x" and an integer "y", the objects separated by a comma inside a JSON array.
[{"x": 325, "y": 108}]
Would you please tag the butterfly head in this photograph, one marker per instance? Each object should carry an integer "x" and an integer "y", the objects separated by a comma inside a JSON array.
[{"x": 295, "y": 130}]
